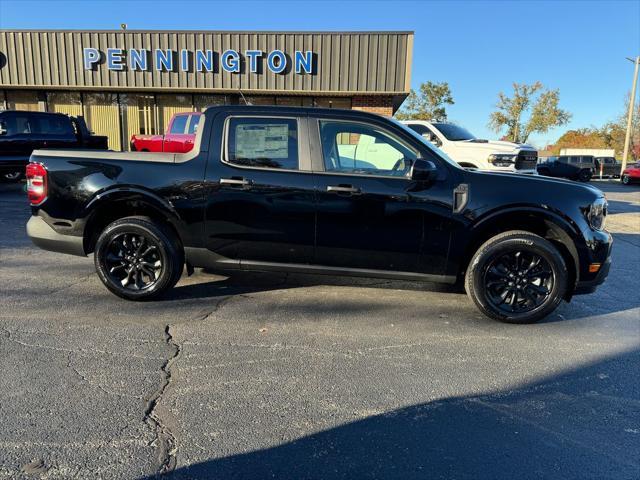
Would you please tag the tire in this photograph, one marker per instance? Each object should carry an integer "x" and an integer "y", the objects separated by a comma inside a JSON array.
[
  {"x": 584, "y": 176},
  {"x": 138, "y": 259},
  {"x": 486, "y": 275},
  {"x": 625, "y": 180}
]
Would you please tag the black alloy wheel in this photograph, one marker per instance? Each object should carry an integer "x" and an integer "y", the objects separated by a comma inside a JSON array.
[
  {"x": 584, "y": 176},
  {"x": 138, "y": 259},
  {"x": 133, "y": 260},
  {"x": 517, "y": 277},
  {"x": 518, "y": 281}
]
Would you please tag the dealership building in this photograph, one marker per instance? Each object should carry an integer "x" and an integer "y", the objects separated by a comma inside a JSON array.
[{"x": 126, "y": 82}]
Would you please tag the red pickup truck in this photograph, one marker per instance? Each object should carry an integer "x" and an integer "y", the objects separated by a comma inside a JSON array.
[{"x": 179, "y": 138}]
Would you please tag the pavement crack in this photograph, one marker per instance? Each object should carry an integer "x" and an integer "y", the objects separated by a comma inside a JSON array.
[{"x": 154, "y": 415}]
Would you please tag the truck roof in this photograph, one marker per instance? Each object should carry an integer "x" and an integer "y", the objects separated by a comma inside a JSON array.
[{"x": 280, "y": 109}]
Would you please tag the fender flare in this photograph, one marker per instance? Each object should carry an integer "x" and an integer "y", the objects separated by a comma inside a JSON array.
[{"x": 123, "y": 193}]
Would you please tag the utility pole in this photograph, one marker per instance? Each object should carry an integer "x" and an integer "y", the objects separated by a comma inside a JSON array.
[{"x": 632, "y": 104}]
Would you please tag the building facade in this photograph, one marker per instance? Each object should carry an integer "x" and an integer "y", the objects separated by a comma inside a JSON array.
[{"x": 128, "y": 82}]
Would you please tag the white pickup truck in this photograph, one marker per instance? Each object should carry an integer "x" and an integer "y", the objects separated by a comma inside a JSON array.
[{"x": 471, "y": 152}]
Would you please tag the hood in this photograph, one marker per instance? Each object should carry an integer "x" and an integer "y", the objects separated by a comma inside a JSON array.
[
  {"x": 540, "y": 183},
  {"x": 493, "y": 146}
]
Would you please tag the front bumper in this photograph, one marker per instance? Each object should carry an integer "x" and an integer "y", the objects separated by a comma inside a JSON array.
[
  {"x": 45, "y": 237},
  {"x": 590, "y": 286}
]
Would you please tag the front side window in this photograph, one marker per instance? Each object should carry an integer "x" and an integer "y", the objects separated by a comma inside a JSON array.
[
  {"x": 193, "y": 124},
  {"x": 179, "y": 124},
  {"x": 52, "y": 125},
  {"x": 263, "y": 142},
  {"x": 363, "y": 149}
]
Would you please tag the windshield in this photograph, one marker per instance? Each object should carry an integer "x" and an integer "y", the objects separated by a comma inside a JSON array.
[
  {"x": 424, "y": 141},
  {"x": 454, "y": 133}
]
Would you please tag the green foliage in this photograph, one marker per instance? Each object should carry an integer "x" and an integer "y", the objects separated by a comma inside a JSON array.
[
  {"x": 540, "y": 103},
  {"x": 429, "y": 104}
]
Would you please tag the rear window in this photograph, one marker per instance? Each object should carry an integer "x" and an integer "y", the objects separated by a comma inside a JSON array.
[
  {"x": 263, "y": 142},
  {"x": 179, "y": 124}
]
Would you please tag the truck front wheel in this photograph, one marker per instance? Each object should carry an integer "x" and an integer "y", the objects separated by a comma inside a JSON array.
[
  {"x": 138, "y": 259},
  {"x": 517, "y": 277}
]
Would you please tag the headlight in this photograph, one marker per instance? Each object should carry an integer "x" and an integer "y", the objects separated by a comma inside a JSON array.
[
  {"x": 597, "y": 214},
  {"x": 501, "y": 159}
]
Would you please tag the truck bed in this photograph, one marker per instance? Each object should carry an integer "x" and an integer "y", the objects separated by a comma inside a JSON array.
[{"x": 114, "y": 156}]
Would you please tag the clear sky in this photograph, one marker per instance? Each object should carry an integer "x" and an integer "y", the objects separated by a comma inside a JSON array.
[{"x": 479, "y": 47}]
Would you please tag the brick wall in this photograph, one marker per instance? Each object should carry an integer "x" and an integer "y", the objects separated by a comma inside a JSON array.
[{"x": 373, "y": 103}]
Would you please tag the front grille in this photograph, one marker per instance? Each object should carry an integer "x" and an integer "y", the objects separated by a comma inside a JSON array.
[{"x": 527, "y": 160}]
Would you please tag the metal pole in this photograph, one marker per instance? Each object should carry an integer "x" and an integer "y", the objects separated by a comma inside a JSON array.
[{"x": 632, "y": 105}]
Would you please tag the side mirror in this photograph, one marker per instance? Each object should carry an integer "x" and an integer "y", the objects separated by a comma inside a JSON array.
[
  {"x": 432, "y": 138},
  {"x": 423, "y": 170},
  {"x": 3, "y": 128}
]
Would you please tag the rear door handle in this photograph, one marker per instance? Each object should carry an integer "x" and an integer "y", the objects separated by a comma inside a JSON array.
[
  {"x": 236, "y": 182},
  {"x": 344, "y": 189}
]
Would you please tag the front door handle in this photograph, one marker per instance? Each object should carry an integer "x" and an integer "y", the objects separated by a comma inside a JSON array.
[
  {"x": 348, "y": 189},
  {"x": 236, "y": 182}
]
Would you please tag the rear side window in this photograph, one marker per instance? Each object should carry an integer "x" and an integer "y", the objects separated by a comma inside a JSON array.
[
  {"x": 263, "y": 142},
  {"x": 17, "y": 124},
  {"x": 179, "y": 124},
  {"x": 195, "y": 120},
  {"x": 419, "y": 129},
  {"x": 52, "y": 125}
]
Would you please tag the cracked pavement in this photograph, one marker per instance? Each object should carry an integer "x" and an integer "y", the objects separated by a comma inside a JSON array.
[{"x": 291, "y": 376}]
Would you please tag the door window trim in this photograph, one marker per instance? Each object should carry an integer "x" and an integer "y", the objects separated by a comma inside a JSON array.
[
  {"x": 304, "y": 164},
  {"x": 324, "y": 170}
]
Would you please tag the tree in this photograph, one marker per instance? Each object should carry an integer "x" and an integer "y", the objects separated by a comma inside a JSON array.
[
  {"x": 428, "y": 104},
  {"x": 542, "y": 105},
  {"x": 580, "y": 138}
]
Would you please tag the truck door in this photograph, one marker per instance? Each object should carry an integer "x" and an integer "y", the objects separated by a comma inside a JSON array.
[
  {"x": 53, "y": 131},
  {"x": 261, "y": 201},
  {"x": 176, "y": 135},
  {"x": 370, "y": 216},
  {"x": 16, "y": 141}
]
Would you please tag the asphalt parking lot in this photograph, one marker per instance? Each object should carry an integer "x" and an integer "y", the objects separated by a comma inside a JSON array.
[{"x": 283, "y": 376}]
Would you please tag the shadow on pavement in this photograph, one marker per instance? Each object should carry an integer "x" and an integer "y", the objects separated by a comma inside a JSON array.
[{"x": 581, "y": 424}]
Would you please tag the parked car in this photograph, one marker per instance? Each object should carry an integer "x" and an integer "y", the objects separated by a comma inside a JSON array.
[
  {"x": 471, "y": 152},
  {"x": 277, "y": 188},
  {"x": 22, "y": 132},
  {"x": 631, "y": 174},
  {"x": 609, "y": 166},
  {"x": 179, "y": 138},
  {"x": 573, "y": 167}
]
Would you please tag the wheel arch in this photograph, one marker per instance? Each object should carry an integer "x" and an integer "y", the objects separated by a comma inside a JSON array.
[
  {"x": 111, "y": 205},
  {"x": 544, "y": 223}
]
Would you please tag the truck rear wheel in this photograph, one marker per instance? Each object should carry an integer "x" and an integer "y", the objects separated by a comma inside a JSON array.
[
  {"x": 517, "y": 277},
  {"x": 138, "y": 259},
  {"x": 584, "y": 175}
]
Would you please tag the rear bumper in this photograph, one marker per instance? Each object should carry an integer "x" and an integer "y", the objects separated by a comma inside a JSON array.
[{"x": 45, "y": 237}]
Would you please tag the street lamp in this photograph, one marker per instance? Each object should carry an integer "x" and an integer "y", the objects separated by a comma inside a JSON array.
[{"x": 632, "y": 102}]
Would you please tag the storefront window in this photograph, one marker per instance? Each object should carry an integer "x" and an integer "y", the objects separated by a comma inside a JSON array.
[
  {"x": 201, "y": 102},
  {"x": 22, "y": 100},
  {"x": 137, "y": 115},
  {"x": 68, "y": 103},
  {"x": 102, "y": 114},
  {"x": 169, "y": 105}
]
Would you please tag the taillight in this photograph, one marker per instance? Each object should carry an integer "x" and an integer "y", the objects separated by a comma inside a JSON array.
[{"x": 36, "y": 183}]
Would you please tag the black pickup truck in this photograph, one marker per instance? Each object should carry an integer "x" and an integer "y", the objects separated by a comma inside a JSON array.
[
  {"x": 280, "y": 188},
  {"x": 573, "y": 167},
  {"x": 23, "y": 132}
]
